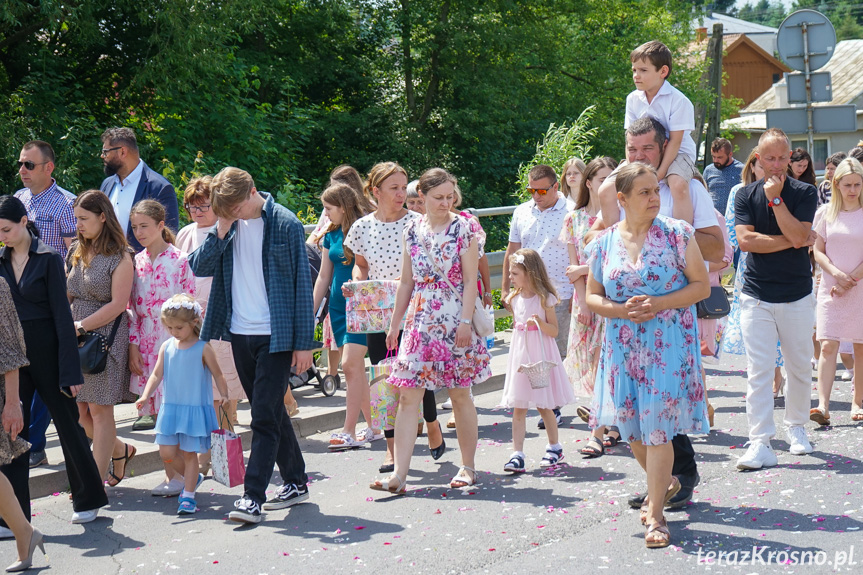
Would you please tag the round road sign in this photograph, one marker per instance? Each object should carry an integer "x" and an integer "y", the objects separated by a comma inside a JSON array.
[{"x": 820, "y": 35}]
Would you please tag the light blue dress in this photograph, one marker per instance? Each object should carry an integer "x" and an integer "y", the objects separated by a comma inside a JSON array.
[
  {"x": 648, "y": 382},
  {"x": 732, "y": 339},
  {"x": 186, "y": 416}
]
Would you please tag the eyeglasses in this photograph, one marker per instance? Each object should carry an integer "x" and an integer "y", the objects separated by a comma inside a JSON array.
[
  {"x": 539, "y": 191},
  {"x": 105, "y": 152},
  {"x": 201, "y": 209},
  {"x": 30, "y": 165}
]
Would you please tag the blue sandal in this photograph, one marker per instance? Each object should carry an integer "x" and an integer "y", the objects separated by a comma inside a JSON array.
[
  {"x": 515, "y": 464},
  {"x": 552, "y": 457}
]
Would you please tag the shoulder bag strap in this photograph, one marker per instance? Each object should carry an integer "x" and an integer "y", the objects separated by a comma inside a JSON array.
[{"x": 115, "y": 328}]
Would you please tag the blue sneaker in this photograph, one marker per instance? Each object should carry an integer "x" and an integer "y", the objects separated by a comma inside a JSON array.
[{"x": 187, "y": 506}]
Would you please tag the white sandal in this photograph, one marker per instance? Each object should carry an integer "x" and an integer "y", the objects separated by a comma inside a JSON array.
[{"x": 463, "y": 478}]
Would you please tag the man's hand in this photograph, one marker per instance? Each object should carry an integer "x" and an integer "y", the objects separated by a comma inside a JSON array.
[
  {"x": 302, "y": 360},
  {"x": 223, "y": 226},
  {"x": 773, "y": 186}
]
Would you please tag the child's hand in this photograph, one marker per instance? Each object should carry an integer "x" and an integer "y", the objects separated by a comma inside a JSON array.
[
  {"x": 141, "y": 401},
  {"x": 222, "y": 401}
]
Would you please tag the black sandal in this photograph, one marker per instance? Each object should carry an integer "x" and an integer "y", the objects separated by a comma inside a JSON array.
[
  {"x": 127, "y": 458},
  {"x": 593, "y": 449},
  {"x": 609, "y": 440}
]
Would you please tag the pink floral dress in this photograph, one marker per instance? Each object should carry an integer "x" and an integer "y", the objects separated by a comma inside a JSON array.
[
  {"x": 648, "y": 382},
  {"x": 584, "y": 340},
  {"x": 428, "y": 356},
  {"x": 155, "y": 282}
]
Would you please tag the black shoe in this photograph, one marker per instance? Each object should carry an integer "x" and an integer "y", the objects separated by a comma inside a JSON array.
[
  {"x": 437, "y": 452},
  {"x": 687, "y": 485},
  {"x": 38, "y": 458},
  {"x": 245, "y": 511},
  {"x": 541, "y": 424},
  {"x": 387, "y": 468},
  {"x": 287, "y": 495},
  {"x": 636, "y": 501}
]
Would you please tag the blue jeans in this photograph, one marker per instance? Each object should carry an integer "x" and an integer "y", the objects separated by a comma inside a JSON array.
[
  {"x": 40, "y": 419},
  {"x": 264, "y": 376}
]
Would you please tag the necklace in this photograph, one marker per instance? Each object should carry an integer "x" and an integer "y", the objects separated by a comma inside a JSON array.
[{"x": 19, "y": 267}]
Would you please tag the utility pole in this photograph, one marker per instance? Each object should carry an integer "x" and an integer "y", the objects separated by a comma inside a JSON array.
[{"x": 713, "y": 45}]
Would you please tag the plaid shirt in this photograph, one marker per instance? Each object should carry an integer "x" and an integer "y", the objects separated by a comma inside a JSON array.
[
  {"x": 287, "y": 277},
  {"x": 51, "y": 211}
]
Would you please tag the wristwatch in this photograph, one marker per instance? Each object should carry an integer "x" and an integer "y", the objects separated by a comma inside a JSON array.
[
  {"x": 775, "y": 202},
  {"x": 81, "y": 330},
  {"x": 467, "y": 321}
]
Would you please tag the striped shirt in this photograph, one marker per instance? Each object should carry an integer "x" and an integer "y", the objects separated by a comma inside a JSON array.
[{"x": 51, "y": 211}]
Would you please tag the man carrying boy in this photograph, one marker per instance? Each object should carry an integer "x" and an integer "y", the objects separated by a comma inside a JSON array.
[
  {"x": 261, "y": 301},
  {"x": 654, "y": 97}
]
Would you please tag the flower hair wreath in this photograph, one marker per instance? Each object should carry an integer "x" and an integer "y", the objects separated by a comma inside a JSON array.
[{"x": 192, "y": 305}]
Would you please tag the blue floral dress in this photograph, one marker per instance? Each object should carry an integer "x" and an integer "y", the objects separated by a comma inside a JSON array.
[
  {"x": 732, "y": 339},
  {"x": 648, "y": 382}
]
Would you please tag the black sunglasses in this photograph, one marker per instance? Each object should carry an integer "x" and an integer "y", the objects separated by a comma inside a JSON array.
[{"x": 30, "y": 165}]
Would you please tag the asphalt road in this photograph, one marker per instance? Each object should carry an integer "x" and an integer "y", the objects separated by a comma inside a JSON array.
[{"x": 570, "y": 519}]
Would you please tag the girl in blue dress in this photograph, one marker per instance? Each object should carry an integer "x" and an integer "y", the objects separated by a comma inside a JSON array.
[
  {"x": 646, "y": 273},
  {"x": 186, "y": 366}
]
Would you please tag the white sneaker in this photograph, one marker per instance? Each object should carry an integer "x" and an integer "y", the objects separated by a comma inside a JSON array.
[
  {"x": 797, "y": 438},
  {"x": 847, "y": 375},
  {"x": 84, "y": 516},
  {"x": 167, "y": 488},
  {"x": 757, "y": 456},
  {"x": 446, "y": 404},
  {"x": 6, "y": 533}
]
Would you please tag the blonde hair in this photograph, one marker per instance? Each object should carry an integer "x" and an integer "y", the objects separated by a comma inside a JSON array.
[
  {"x": 847, "y": 167},
  {"x": 379, "y": 173},
  {"x": 346, "y": 198},
  {"x": 748, "y": 174},
  {"x": 229, "y": 188},
  {"x": 537, "y": 275},
  {"x": 156, "y": 212},
  {"x": 183, "y": 307},
  {"x": 564, "y": 185}
]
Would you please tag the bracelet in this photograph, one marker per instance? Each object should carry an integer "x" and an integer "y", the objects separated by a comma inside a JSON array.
[
  {"x": 488, "y": 293},
  {"x": 466, "y": 321}
]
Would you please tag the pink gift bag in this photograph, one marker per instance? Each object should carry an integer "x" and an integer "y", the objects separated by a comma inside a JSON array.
[
  {"x": 370, "y": 308},
  {"x": 226, "y": 458}
]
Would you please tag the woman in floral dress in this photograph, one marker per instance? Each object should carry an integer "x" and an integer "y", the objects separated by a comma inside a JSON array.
[
  {"x": 646, "y": 273},
  {"x": 585, "y": 329},
  {"x": 440, "y": 347}
]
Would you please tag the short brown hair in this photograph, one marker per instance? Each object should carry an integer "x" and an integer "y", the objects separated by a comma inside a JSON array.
[
  {"x": 627, "y": 175},
  {"x": 774, "y": 134},
  {"x": 229, "y": 188},
  {"x": 433, "y": 178},
  {"x": 120, "y": 137},
  {"x": 654, "y": 52},
  {"x": 541, "y": 171},
  {"x": 44, "y": 147},
  {"x": 198, "y": 190},
  {"x": 720, "y": 144}
]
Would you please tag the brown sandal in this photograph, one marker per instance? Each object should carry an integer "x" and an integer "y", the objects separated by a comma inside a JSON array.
[
  {"x": 673, "y": 489},
  {"x": 657, "y": 535},
  {"x": 817, "y": 415},
  {"x": 127, "y": 458}
]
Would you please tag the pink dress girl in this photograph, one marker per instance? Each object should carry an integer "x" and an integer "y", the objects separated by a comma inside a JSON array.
[{"x": 155, "y": 282}]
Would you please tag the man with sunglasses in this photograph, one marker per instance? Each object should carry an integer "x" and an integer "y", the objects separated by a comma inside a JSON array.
[
  {"x": 49, "y": 207},
  {"x": 536, "y": 225},
  {"x": 129, "y": 180}
]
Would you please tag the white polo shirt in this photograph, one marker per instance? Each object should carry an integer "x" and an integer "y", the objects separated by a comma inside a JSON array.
[
  {"x": 671, "y": 108},
  {"x": 540, "y": 231}
]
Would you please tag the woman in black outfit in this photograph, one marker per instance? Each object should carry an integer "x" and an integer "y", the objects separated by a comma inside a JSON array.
[{"x": 36, "y": 277}]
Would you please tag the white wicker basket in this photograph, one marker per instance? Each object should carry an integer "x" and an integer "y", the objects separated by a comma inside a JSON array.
[{"x": 538, "y": 372}]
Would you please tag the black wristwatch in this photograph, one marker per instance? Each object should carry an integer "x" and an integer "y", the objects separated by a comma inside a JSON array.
[{"x": 81, "y": 330}]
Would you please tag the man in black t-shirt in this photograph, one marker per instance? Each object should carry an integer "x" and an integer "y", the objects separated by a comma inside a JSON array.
[{"x": 773, "y": 220}]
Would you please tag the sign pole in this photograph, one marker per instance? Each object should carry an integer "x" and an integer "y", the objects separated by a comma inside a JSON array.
[{"x": 810, "y": 131}]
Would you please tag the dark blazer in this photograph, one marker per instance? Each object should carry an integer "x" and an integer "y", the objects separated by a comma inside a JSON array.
[{"x": 152, "y": 186}]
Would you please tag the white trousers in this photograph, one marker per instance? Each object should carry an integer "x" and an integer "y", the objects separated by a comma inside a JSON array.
[{"x": 762, "y": 323}]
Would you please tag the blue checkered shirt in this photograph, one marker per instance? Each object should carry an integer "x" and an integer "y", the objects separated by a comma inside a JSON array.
[
  {"x": 720, "y": 182},
  {"x": 52, "y": 213},
  {"x": 287, "y": 278}
]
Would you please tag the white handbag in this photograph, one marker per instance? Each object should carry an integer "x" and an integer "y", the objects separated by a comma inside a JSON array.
[{"x": 537, "y": 372}]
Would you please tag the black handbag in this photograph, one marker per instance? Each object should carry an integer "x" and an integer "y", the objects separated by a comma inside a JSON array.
[
  {"x": 93, "y": 348},
  {"x": 715, "y": 306}
]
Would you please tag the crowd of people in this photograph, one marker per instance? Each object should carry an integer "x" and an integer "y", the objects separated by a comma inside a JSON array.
[{"x": 602, "y": 270}]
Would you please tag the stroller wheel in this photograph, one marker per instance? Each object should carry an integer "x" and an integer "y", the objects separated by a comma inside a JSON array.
[{"x": 329, "y": 385}]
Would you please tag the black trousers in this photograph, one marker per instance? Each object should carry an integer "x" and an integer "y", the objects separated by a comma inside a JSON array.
[
  {"x": 264, "y": 376},
  {"x": 42, "y": 375},
  {"x": 377, "y": 344},
  {"x": 684, "y": 456}
]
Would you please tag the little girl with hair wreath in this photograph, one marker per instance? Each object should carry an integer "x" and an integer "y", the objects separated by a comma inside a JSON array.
[
  {"x": 186, "y": 366},
  {"x": 532, "y": 300},
  {"x": 161, "y": 271}
]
